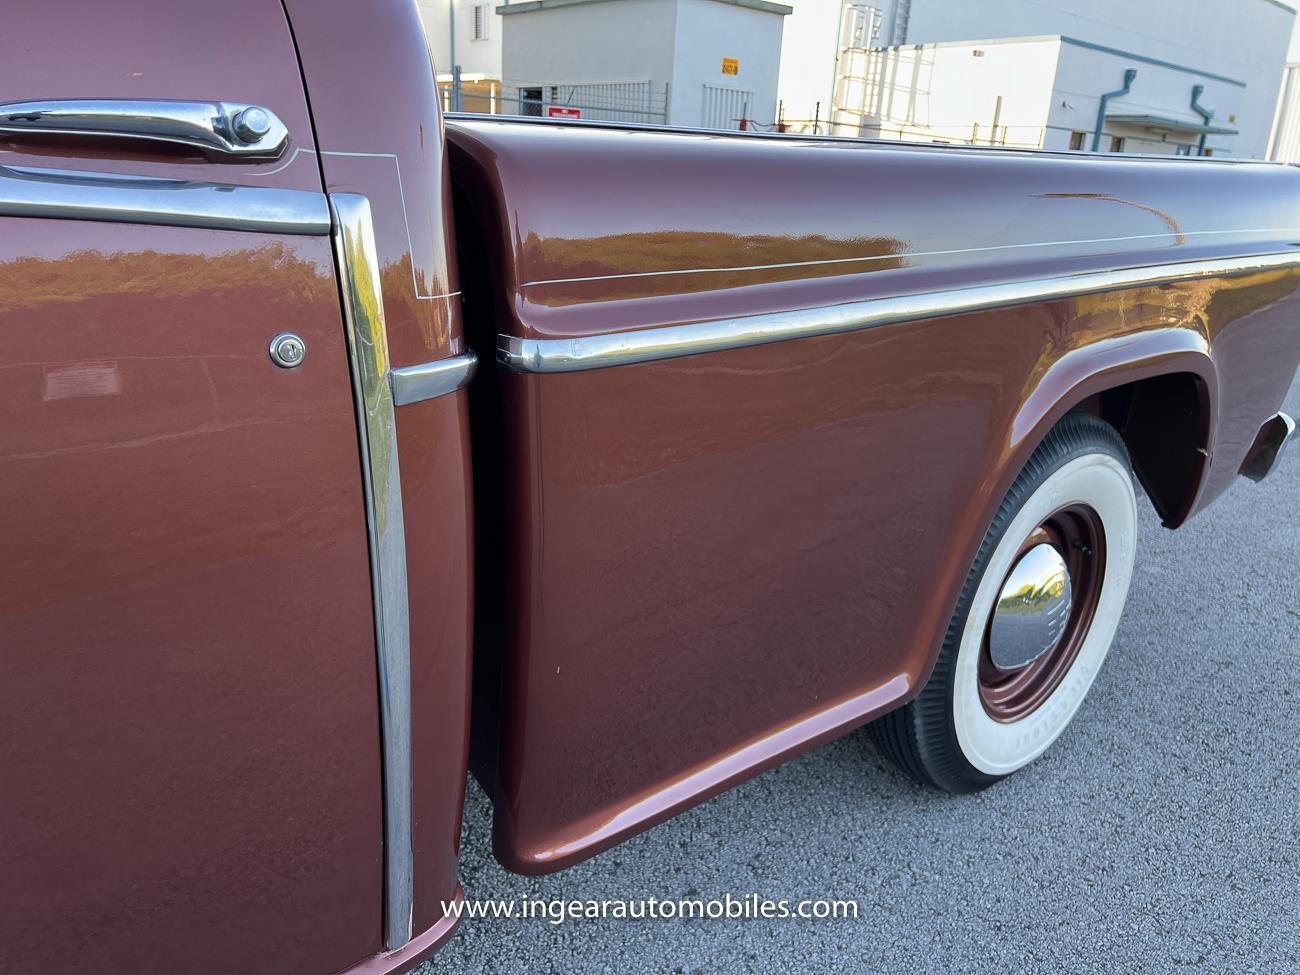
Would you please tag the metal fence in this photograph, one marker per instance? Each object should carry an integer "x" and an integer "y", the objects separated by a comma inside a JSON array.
[
  {"x": 956, "y": 133},
  {"x": 725, "y": 108},
  {"x": 611, "y": 101}
]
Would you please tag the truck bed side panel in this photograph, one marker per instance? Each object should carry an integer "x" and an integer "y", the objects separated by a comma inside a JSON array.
[{"x": 722, "y": 559}]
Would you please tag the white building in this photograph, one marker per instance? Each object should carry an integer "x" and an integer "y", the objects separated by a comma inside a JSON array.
[
  {"x": 707, "y": 63},
  {"x": 470, "y": 39},
  {"x": 1284, "y": 145},
  {"x": 465, "y": 35},
  {"x": 1034, "y": 73}
]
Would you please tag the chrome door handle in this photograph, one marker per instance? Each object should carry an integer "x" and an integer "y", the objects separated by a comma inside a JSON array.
[{"x": 223, "y": 130}]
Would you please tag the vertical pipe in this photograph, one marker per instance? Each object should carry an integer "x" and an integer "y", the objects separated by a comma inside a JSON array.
[
  {"x": 1129, "y": 75},
  {"x": 451, "y": 40},
  {"x": 917, "y": 54},
  {"x": 902, "y": 18},
  {"x": 835, "y": 68},
  {"x": 1205, "y": 113}
]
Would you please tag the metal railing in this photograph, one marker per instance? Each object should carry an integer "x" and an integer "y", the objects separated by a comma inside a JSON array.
[
  {"x": 725, "y": 108},
  {"x": 956, "y": 133},
  {"x": 609, "y": 101}
]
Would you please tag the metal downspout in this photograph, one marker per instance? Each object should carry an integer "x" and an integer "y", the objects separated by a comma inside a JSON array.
[
  {"x": 902, "y": 18},
  {"x": 1129, "y": 75},
  {"x": 1205, "y": 113}
]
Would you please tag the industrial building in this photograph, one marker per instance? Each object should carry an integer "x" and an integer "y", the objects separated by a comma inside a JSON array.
[
  {"x": 711, "y": 63},
  {"x": 1284, "y": 144},
  {"x": 707, "y": 63},
  {"x": 465, "y": 43},
  {"x": 463, "y": 33},
  {"x": 1040, "y": 92},
  {"x": 1206, "y": 72},
  {"x": 1195, "y": 77}
]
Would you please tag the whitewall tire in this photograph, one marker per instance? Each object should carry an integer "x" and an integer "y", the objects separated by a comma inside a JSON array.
[{"x": 1035, "y": 619}]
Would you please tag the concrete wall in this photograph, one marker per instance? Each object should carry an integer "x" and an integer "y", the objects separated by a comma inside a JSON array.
[
  {"x": 1085, "y": 73},
  {"x": 707, "y": 32},
  {"x": 951, "y": 93},
  {"x": 623, "y": 40},
  {"x": 1242, "y": 39},
  {"x": 1285, "y": 143},
  {"x": 677, "y": 46},
  {"x": 808, "y": 53},
  {"x": 808, "y": 62},
  {"x": 1245, "y": 40},
  {"x": 481, "y": 57}
]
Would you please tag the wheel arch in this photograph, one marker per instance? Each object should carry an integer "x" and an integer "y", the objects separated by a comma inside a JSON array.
[
  {"x": 1122, "y": 379},
  {"x": 1157, "y": 389}
]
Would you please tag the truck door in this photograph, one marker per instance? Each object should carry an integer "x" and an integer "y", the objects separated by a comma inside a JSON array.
[{"x": 189, "y": 730}]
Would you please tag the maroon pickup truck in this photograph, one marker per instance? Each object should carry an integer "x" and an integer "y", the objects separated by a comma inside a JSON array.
[{"x": 769, "y": 438}]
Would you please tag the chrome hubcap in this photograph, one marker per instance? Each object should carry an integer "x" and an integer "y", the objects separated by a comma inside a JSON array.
[{"x": 1032, "y": 610}]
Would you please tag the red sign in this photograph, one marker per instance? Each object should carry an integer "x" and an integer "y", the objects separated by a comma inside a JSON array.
[{"x": 562, "y": 111}]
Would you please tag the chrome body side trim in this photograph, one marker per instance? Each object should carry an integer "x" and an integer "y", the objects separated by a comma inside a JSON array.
[
  {"x": 674, "y": 341},
  {"x": 70, "y": 195},
  {"x": 429, "y": 380},
  {"x": 363, "y": 312},
  {"x": 222, "y": 130}
]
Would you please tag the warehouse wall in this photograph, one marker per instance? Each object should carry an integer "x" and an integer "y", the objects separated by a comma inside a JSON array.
[
  {"x": 1084, "y": 73},
  {"x": 677, "y": 44},
  {"x": 474, "y": 57},
  {"x": 707, "y": 32},
  {"x": 1285, "y": 144},
  {"x": 951, "y": 92},
  {"x": 1243, "y": 39},
  {"x": 628, "y": 40}
]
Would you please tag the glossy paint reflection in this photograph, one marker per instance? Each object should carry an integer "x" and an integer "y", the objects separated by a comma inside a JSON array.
[
  {"x": 236, "y": 51},
  {"x": 738, "y": 543},
  {"x": 719, "y": 560},
  {"x": 383, "y": 139},
  {"x": 732, "y": 232},
  {"x": 189, "y": 718},
  {"x": 375, "y": 109}
]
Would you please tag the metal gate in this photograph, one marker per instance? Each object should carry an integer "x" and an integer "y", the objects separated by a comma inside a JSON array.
[{"x": 724, "y": 108}]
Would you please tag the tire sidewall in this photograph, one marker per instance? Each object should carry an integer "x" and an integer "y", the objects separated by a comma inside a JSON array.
[{"x": 1101, "y": 480}]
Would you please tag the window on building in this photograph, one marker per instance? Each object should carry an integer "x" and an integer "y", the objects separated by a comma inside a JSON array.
[
  {"x": 1116, "y": 144},
  {"x": 481, "y": 14},
  {"x": 530, "y": 101},
  {"x": 1077, "y": 139}
]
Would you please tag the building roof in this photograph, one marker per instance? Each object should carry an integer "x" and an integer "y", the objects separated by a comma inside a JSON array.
[
  {"x": 766, "y": 6},
  {"x": 1173, "y": 124}
]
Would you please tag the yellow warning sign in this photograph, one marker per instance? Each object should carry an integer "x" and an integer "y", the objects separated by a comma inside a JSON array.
[{"x": 731, "y": 65}]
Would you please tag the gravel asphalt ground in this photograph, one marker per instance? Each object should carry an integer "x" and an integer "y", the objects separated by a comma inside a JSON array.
[{"x": 1160, "y": 834}]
